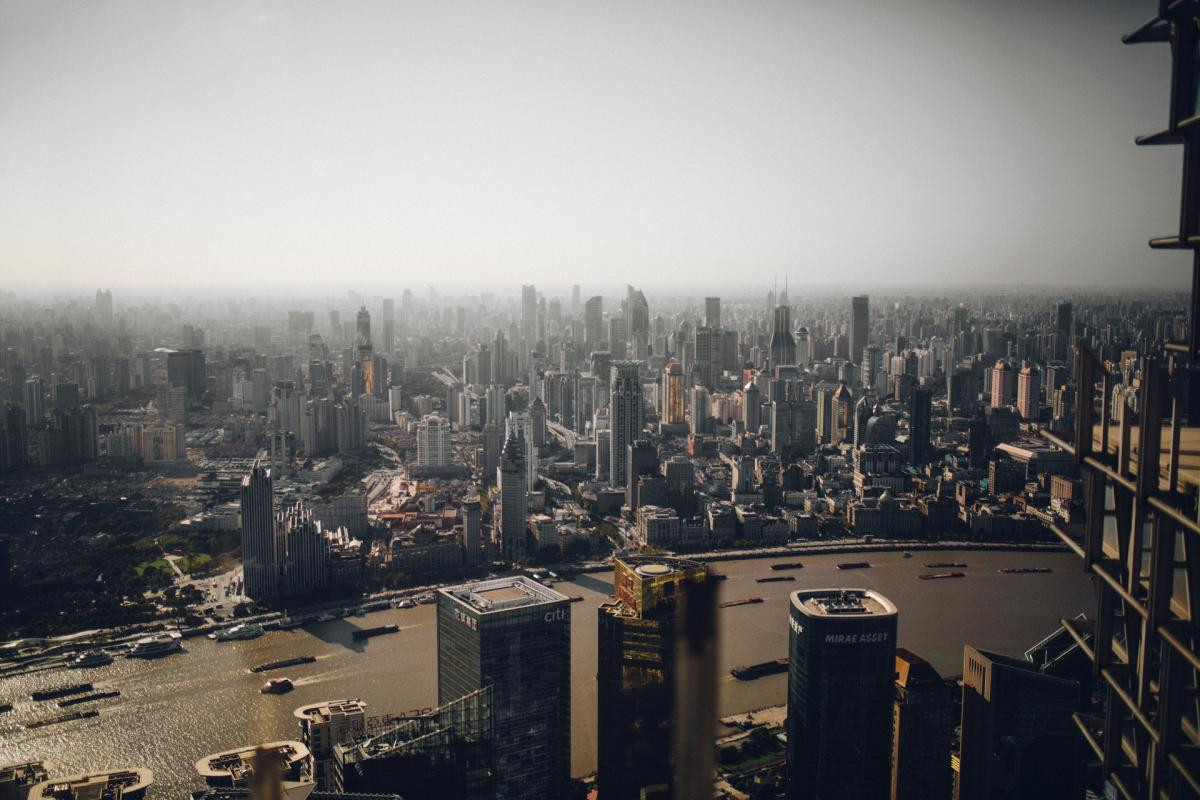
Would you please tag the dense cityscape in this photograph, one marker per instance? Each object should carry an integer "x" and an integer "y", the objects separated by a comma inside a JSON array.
[
  {"x": 566, "y": 401},
  {"x": 474, "y": 451}
]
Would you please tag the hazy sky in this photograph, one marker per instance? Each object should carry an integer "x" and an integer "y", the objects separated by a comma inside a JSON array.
[{"x": 408, "y": 143}]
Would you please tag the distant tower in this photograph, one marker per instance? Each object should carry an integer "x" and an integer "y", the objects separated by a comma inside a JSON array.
[
  {"x": 783, "y": 346},
  {"x": 671, "y": 409},
  {"x": 514, "y": 498},
  {"x": 593, "y": 327},
  {"x": 1003, "y": 385},
  {"x": 433, "y": 441},
  {"x": 841, "y": 684},
  {"x": 712, "y": 312},
  {"x": 472, "y": 545},
  {"x": 860, "y": 325},
  {"x": 1029, "y": 392},
  {"x": 626, "y": 417},
  {"x": 751, "y": 407},
  {"x": 919, "y": 424},
  {"x": 260, "y": 550},
  {"x": 363, "y": 327}
]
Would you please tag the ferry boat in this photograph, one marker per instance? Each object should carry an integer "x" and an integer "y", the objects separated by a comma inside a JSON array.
[
  {"x": 289, "y": 624},
  {"x": 247, "y": 630},
  {"x": 91, "y": 658},
  {"x": 853, "y": 565},
  {"x": 1025, "y": 570},
  {"x": 944, "y": 564},
  {"x": 760, "y": 670},
  {"x": 427, "y": 599},
  {"x": 906, "y": 554},
  {"x": 933, "y": 576},
  {"x": 277, "y": 686},
  {"x": 326, "y": 617},
  {"x": 404, "y": 603},
  {"x": 745, "y": 601},
  {"x": 155, "y": 646}
]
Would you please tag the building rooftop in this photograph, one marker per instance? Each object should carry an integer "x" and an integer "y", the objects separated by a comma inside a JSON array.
[
  {"x": 502, "y": 594},
  {"x": 103, "y": 785},
  {"x": 238, "y": 763},
  {"x": 328, "y": 709},
  {"x": 842, "y": 603}
]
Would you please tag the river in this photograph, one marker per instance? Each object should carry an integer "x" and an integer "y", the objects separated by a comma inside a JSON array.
[{"x": 174, "y": 710}]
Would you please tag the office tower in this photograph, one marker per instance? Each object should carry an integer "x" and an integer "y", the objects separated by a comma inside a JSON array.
[
  {"x": 707, "y": 366},
  {"x": 307, "y": 554},
  {"x": 433, "y": 441},
  {"x": 783, "y": 346},
  {"x": 34, "y": 401},
  {"x": 860, "y": 325},
  {"x": 712, "y": 312},
  {"x": 514, "y": 497},
  {"x": 593, "y": 327},
  {"x": 1018, "y": 736},
  {"x": 1029, "y": 404},
  {"x": 187, "y": 368},
  {"x": 918, "y": 426},
  {"x": 260, "y": 549},
  {"x": 500, "y": 372},
  {"x": 472, "y": 542},
  {"x": 514, "y": 635},
  {"x": 871, "y": 359},
  {"x": 637, "y": 316},
  {"x": 529, "y": 311},
  {"x": 635, "y": 676},
  {"x": 1004, "y": 384},
  {"x": 841, "y": 683},
  {"x": 698, "y": 410},
  {"x": 363, "y": 327},
  {"x": 324, "y": 725},
  {"x": 1063, "y": 322},
  {"x": 641, "y": 458},
  {"x": 493, "y": 441},
  {"x": 922, "y": 725},
  {"x": 671, "y": 409},
  {"x": 680, "y": 477},
  {"x": 751, "y": 407},
  {"x": 626, "y": 416}
]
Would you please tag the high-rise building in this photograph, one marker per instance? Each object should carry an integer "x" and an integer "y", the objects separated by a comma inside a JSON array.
[
  {"x": 514, "y": 497},
  {"x": 698, "y": 410},
  {"x": 472, "y": 542},
  {"x": 626, "y": 417},
  {"x": 514, "y": 635},
  {"x": 529, "y": 311},
  {"x": 593, "y": 323},
  {"x": 712, "y": 312},
  {"x": 860, "y": 325},
  {"x": 186, "y": 368},
  {"x": 641, "y": 459},
  {"x": 635, "y": 683},
  {"x": 1019, "y": 739},
  {"x": 671, "y": 408},
  {"x": 841, "y": 683},
  {"x": 922, "y": 724},
  {"x": 363, "y": 327},
  {"x": 918, "y": 426},
  {"x": 324, "y": 725},
  {"x": 751, "y": 407},
  {"x": 433, "y": 441},
  {"x": 707, "y": 365},
  {"x": 1004, "y": 384},
  {"x": 1029, "y": 404},
  {"x": 783, "y": 345},
  {"x": 34, "y": 401},
  {"x": 261, "y": 552}
]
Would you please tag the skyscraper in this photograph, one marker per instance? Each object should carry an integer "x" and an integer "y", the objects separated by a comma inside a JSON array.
[
  {"x": 635, "y": 673},
  {"x": 783, "y": 346},
  {"x": 918, "y": 426},
  {"x": 433, "y": 441},
  {"x": 712, "y": 312},
  {"x": 261, "y": 552},
  {"x": 923, "y": 722},
  {"x": 625, "y": 418},
  {"x": 514, "y": 497},
  {"x": 1018, "y": 736},
  {"x": 529, "y": 309},
  {"x": 1003, "y": 384},
  {"x": 513, "y": 635},
  {"x": 841, "y": 682},
  {"x": 593, "y": 327},
  {"x": 860, "y": 325},
  {"x": 1029, "y": 404},
  {"x": 671, "y": 409}
]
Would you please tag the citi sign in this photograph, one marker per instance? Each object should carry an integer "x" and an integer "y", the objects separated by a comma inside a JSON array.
[{"x": 557, "y": 615}]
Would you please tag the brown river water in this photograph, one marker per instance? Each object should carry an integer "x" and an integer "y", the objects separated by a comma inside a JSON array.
[{"x": 176, "y": 709}]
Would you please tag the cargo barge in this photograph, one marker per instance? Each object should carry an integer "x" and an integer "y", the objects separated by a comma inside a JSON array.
[
  {"x": 760, "y": 670},
  {"x": 787, "y": 565},
  {"x": 853, "y": 565},
  {"x": 283, "y": 662},
  {"x": 87, "y": 698},
  {"x": 64, "y": 691},
  {"x": 379, "y": 630},
  {"x": 775, "y": 578},
  {"x": 74, "y": 715},
  {"x": 1025, "y": 570},
  {"x": 933, "y": 576},
  {"x": 944, "y": 564},
  {"x": 745, "y": 601}
]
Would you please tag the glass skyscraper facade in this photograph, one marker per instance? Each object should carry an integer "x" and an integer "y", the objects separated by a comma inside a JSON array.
[{"x": 514, "y": 635}]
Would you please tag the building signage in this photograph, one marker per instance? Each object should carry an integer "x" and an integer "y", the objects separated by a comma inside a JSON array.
[
  {"x": 466, "y": 619},
  {"x": 856, "y": 638}
]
